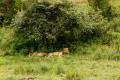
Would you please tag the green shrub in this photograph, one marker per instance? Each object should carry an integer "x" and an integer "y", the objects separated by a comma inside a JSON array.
[
  {"x": 46, "y": 24},
  {"x": 19, "y": 5},
  {"x": 115, "y": 24},
  {"x": 91, "y": 25},
  {"x": 115, "y": 7},
  {"x": 104, "y": 6},
  {"x": 8, "y": 9}
]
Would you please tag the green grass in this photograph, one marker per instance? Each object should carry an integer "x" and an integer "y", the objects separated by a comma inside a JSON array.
[
  {"x": 92, "y": 61},
  {"x": 58, "y": 68}
]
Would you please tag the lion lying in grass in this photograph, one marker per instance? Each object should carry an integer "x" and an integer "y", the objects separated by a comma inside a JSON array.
[
  {"x": 38, "y": 54},
  {"x": 61, "y": 53}
]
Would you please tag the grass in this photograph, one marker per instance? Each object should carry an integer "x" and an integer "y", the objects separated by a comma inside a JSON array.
[
  {"x": 58, "y": 68},
  {"x": 91, "y": 62}
]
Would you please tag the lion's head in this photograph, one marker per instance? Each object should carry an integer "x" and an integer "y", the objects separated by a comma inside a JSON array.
[{"x": 66, "y": 51}]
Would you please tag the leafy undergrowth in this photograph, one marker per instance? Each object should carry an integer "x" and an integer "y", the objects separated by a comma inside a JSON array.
[{"x": 58, "y": 68}]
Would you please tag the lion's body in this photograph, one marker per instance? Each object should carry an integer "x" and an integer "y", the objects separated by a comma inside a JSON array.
[
  {"x": 55, "y": 54},
  {"x": 61, "y": 53},
  {"x": 39, "y": 54}
]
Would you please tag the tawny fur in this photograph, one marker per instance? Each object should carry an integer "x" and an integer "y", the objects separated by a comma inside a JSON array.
[
  {"x": 61, "y": 53},
  {"x": 39, "y": 54},
  {"x": 65, "y": 51},
  {"x": 55, "y": 54}
]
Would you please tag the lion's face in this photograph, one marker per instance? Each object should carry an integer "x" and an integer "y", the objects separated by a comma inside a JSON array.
[{"x": 66, "y": 51}]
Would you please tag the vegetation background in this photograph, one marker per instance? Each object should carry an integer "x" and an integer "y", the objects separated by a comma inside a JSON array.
[{"x": 89, "y": 28}]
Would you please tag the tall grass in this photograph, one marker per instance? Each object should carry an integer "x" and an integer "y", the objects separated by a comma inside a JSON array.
[
  {"x": 55, "y": 68},
  {"x": 5, "y": 39}
]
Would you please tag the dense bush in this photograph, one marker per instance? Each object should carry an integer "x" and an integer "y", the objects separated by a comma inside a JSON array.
[
  {"x": 91, "y": 25},
  {"x": 7, "y": 8},
  {"x": 104, "y": 6},
  {"x": 46, "y": 24},
  {"x": 55, "y": 26}
]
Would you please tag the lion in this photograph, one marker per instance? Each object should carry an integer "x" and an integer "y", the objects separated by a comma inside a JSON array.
[
  {"x": 39, "y": 54},
  {"x": 61, "y": 53},
  {"x": 55, "y": 54}
]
